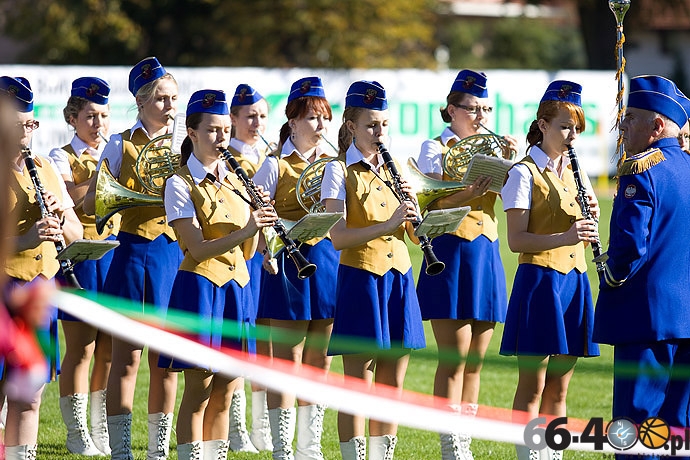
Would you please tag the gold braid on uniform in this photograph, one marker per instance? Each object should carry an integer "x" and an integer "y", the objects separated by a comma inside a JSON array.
[{"x": 640, "y": 162}]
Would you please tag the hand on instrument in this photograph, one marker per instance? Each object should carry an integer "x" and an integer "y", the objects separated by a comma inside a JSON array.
[
  {"x": 269, "y": 263},
  {"x": 46, "y": 229},
  {"x": 407, "y": 188},
  {"x": 512, "y": 149},
  {"x": 262, "y": 217},
  {"x": 593, "y": 205},
  {"x": 405, "y": 212},
  {"x": 479, "y": 187},
  {"x": 52, "y": 203},
  {"x": 582, "y": 230}
]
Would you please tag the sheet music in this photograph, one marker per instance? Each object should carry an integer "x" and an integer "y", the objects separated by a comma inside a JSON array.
[
  {"x": 179, "y": 133},
  {"x": 485, "y": 165},
  {"x": 81, "y": 250},
  {"x": 314, "y": 225},
  {"x": 440, "y": 221}
]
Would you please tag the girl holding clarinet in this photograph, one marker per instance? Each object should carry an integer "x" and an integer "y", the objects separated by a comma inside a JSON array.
[
  {"x": 375, "y": 298},
  {"x": 45, "y": 222},
  {"x": 550, "y": 312},
  {"x": 218, "y": 234}
]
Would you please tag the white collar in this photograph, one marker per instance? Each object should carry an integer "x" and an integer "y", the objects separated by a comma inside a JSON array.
[
  {"x": 79, "y": 147},
  {"x": 447, "y": 135},
  {"x": 289, "y": 148},
  {"x": 543, "y": 161},
  {"x": 354, "y": 155},
  {"x": 199, "y": 171}
]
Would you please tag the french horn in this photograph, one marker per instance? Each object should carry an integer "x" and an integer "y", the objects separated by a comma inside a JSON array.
[
  {"x": 155, "y": 163},
  {"x": 458, "y": 157}
]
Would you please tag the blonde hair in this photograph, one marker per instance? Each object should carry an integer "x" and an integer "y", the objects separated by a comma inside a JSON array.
[{"x": 147, "y": 92}]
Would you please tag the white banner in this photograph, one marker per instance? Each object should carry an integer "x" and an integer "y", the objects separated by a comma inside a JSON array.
[{"x": 415, "y": 97}]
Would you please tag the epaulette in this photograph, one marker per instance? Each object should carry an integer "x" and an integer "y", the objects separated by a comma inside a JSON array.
[{"x": 640, "y": 162}]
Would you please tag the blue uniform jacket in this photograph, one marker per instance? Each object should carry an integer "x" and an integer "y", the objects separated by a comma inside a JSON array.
[{"x": 649, "y": 254}]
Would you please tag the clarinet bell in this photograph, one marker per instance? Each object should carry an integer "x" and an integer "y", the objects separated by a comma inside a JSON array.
[
  {"x": 304, "y": 268},
  {"x": 434, "y": 266}
]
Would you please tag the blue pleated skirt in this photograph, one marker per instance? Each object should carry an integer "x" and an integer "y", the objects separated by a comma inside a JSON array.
[
  {"x": 222, "y": 313},
  {"x": 472, "y": 286},
  {"x": 144, "y": 270},
  {"x": 376, "y": 312},
  {"x": 91, "y": 275},
  {"x": 286, "y": 297},
  {"x": 549, "y": 313},
  {"x": 256, "y": 271},
  {"x": 47, "y": 333}
]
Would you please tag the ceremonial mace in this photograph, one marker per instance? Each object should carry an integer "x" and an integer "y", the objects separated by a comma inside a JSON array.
[{"x": 619, "y": 8}]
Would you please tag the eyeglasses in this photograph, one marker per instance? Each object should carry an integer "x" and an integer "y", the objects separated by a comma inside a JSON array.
[
  {"x": 475, "y": 109},
  {"x": 29, "y": 125}
]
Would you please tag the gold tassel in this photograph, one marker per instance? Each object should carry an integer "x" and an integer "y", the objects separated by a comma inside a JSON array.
[{"x": 641, "y": 162}]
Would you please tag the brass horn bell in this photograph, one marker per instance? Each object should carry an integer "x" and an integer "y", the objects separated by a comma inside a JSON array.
[
  {"x": 427, "y": 188},
  {"x": 112, "y": 197}
]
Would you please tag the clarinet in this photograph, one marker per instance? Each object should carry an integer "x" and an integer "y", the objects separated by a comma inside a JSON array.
[
  {"x": 304, "y": 268},
  {"x": 586, "y": 211},
  {"x": 433, "y": 265},
  {"x": 66, "y": 265}
]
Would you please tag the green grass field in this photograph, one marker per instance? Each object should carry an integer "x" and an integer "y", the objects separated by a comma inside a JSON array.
[{"x": 589, "y": 395}]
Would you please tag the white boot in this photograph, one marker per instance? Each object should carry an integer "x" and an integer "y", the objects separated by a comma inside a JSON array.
[
  {"x": 73, "y": 410},
  {"x": 282, "y": 432},
  {"x": 99, "y": 422},
  {"x": 3, "y": 413},
  {"x": 455, "y": 446},
  {"x": 160, "y": 428},
  {"x": 309, "y": 431},
  {"x": 554, "y": 454},
  {"x": 216, "y": 449},
  {"x": 190, "y": 451},
  {"x": 525, "y": 453},
  {"x": 23, "y": 452},
  {"x": 120, "y": 429},
  {"x": 382, "y": 447},
  {"x": 261, "y": 427},
  {"x": 238, "y": 434},
  {"x": 354, "y": 449}
]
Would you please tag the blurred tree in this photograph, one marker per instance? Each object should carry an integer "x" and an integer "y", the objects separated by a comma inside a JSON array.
[{"x": 275, "y": 33}]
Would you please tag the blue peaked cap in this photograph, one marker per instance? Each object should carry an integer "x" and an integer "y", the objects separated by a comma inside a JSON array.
[{"x": 660, "y": 95}]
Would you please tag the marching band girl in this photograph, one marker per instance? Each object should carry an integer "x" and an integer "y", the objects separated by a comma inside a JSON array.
[
  {"x": 88, "y": 112},
  {"x": 249, "y": 114},
  {"x": 463, "y": 317},
  {"x": 33, "y": 260},
  {"x": 375, "y": 297},
  {"x": 302, "y": 308},
  {"x": 550, "y": 313},
  {"x": 218, "y": 234},
  {"x": 143, "y": 266}
]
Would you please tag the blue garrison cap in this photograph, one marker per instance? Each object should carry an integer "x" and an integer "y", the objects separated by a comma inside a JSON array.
[
  {"x": 20, "y": 90},
  {"x": 563, "y": 91},
  {"x": 471, "y": 82},
  {"x": 145, "y": 71},
  {"x": 660, "y": 95},
  {"x": 308, "y": 86},
  {"x": 91, "y": 88},
  {"x": 367, "y": 94},
  {"x": 245, "y": 95},
  {"x": 208, "y": 101}
]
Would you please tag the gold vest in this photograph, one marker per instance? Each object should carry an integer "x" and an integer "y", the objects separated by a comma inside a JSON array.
[
  {"x": 28, "y": 264},
  {"x": 219, "y": 213},
  {"x": 148, "y": 221},
  {"x": 83, "y": 168},
  {"x": 289, "y": 170},
  {"x": 369, "y": 202},
  {"x": 481, "y": 220},
  {"x": 548, "y": 215},
  {"x": 248, "y": 166}
]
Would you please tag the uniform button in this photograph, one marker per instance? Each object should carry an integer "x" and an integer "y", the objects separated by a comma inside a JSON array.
[
  {"x": 479, "y": 208},
  {"x": 389, "y": 238},
  {"x": 227, "y": 216},
  {"x": 572, "y": 220},
  {"x": 38, "y": 257},
  {"x": 232, "y": 251},
  {"x": 572, "y": 204},
  {"x": 389, "y": 255},
  {"x": 565, "y": 189},
  {"x": 383, "y": 205},
  {"x": 379, "y": 188},
  {"x": 161, "y": 222},
  {"x": 220, "y": 200},
  {"x": 480, "y": 223},
  {"x": 231, "y": 268},
  {"x": 110, "y": 226},
  {"x": 572, "y": 256}
]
